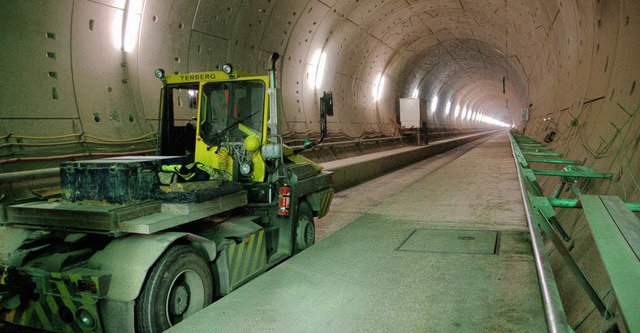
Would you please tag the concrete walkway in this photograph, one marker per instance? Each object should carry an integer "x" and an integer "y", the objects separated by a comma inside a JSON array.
[{"x": 447, "y": 254}]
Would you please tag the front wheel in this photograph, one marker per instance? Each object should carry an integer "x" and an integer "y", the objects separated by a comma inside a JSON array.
[
  {"x": 305, "y": 228},
  {"x": 179, "y": 285}
]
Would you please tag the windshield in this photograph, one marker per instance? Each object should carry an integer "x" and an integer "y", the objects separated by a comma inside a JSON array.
[{"x": 225, "y": 105}]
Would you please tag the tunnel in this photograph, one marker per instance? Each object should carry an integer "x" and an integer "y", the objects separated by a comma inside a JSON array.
[{"x": 80, "y": 82}]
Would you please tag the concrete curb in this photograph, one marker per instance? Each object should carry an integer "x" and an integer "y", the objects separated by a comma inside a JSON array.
[{"x": 355, "y": 170}]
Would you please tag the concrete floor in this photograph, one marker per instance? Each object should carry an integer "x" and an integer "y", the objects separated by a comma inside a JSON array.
[
  {"x": 402, "y": 266},
  {"x": 349, "y": 204}
]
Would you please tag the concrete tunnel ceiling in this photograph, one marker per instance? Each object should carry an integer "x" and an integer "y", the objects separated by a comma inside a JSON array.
[
  {"x": 82, "y": 63},
  {"x": 428, "y": 47}
]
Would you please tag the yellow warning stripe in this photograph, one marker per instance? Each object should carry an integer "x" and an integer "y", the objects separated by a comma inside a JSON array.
[
  {"x": 261, "y": 262},
  {"x": 259, "y": 259},
  {"x": 26, "y": 315},
  {"x": 44, "y": 319},
  {"x": 323, "y": 205},
  {"x": 242, "y": 253},
  {"x": 232, "y": 250},
  {"x": 66, "y": 296},
  {"x": 232, "y": 259},
  {"x": 238, "y": 261},
  {"x": 5, "y": 273},
  {"x": 326, "y": 203},
  {"x": 10, "y": 315},
  {"x": 42, "y": 313},
  {"x": 246, "y": 257},
  {"x": 53, "y": 305}
]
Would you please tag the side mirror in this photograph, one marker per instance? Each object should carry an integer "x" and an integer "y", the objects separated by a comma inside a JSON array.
[
  {"x": 326, "y": 104},
  {"x": 326, "y": 109}
]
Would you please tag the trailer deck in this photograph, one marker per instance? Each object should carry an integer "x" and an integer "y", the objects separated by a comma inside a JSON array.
[{"x": 141, "y": 218}]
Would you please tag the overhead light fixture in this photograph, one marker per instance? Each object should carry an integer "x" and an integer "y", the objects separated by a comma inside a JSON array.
[
  {"x": 159, "y": 73},
  {"x": 316, "y": 69},
  {"x": 133, "y": 12},
  {"x": 434, "y": 103},
  {"x": 378, "y": 87},
  {"x": 492, "y": 121},
  {"x": 320, "y": 71},
  {"x": 117, "y": 24}
]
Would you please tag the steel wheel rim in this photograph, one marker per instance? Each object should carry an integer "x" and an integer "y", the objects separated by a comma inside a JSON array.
[
  {"x": 309, "y": 234},
  {"x": 185, "y": 296}
]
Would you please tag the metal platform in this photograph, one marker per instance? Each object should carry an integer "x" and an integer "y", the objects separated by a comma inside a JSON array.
[
  {"x": 143, "y": 218},
  {"x": 408, "y": 265}
]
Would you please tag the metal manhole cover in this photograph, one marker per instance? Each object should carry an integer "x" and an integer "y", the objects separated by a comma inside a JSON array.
[{"x": 452, "y": 241}]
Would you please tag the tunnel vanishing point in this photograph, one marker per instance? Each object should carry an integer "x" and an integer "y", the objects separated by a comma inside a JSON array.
[{"x": 79, "y": 79}]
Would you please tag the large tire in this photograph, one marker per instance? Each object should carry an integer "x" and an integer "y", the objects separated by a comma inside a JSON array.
[
  {"x": 179, "y": 285},
  {"x": 305, "y": 228}
]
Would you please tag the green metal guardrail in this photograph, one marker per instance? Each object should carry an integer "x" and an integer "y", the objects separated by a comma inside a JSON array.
[
  {"x": 554, "y": 311},
  {"x": 615, "y": 229}
]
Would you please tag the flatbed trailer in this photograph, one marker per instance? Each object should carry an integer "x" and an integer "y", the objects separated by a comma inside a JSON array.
[
  {"x": 115, "y": 254},
  {"x": 117, "y": 220}
]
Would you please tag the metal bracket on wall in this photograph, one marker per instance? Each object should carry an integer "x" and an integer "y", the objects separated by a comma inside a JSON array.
[
  {"x": 543, "y": 214},
  {"x": 553, "y": 161},
  {"x": 614, "y": 227},
  {"x": 573, "y": 175},
  {"x": 541, "y": 153}
]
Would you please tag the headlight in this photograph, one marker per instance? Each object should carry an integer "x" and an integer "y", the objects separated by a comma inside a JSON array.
[
  {"x": 159, "y": 73},
  {"x": 245, "y": 169},
  {"x": 86, "y": 318},
  {"x": 227, "y": 68}
]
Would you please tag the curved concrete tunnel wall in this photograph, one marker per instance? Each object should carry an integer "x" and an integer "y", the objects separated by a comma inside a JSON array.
[
  {"x": 71, "y": 64},
  {"x": 575, "y": 62}
]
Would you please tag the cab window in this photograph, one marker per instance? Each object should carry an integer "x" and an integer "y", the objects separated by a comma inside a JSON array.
[{"x": 226, "y": 105}]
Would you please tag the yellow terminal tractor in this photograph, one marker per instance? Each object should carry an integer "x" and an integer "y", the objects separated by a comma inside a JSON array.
[{"x": 139, "y": 243}]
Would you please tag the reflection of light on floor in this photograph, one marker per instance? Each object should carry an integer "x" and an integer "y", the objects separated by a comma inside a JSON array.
[{"x": 348, "y": 205}]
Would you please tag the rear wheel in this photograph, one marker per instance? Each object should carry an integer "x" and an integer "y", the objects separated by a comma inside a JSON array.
[
  {"x": 305, "y": 228},
  {"x": 179, "y": 285}
]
